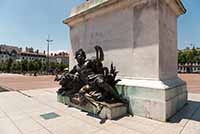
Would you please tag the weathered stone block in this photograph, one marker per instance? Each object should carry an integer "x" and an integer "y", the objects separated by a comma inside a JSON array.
[
  {"x": 159, "y": 102},
  {"x": 109, "y": 111}
]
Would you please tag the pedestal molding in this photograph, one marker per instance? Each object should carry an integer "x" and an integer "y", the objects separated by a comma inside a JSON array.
[
  {"x": 154, "y": 84},
  {"x": 79, "y": 13}
]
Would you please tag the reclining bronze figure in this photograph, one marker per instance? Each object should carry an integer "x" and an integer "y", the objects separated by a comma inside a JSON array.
[{"x": 90, "y": 80}]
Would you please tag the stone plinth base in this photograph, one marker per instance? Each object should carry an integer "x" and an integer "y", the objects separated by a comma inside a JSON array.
[
  {"x": 140, "y": 38},
  {"x": 109, "y": 111},
  {"x": 157, "y": 100}
]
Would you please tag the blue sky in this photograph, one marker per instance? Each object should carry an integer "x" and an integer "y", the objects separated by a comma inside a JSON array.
[
  {"x": 28, "y": 23},
  {"x": 188, "y": 25}
]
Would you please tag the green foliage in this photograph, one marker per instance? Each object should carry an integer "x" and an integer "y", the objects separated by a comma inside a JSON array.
[
  {"x": 61, "y": 67},
  {"x": 2, "y": 67},
  {"x": 31, "y": 66},
  {"x": 18, "y": 66},
  {"x": 25, "y": 66},
  {"x": 189, "y": 56},
  {"x": 39, "y": 65},
  {"x": 52, "y": 66},
  {"x": 44, "y": 67},
  {"x": 13, "y": 67},
  {"x": 8, "y": 65}
]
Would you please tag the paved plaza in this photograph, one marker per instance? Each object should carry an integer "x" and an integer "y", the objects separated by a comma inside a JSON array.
[
  {"x": 31, "y": 107},
  {"x": 21, "y": 82},
  {"x": 20, "y": 113},
  {"x": 26, "y": 82},
  {"x": 193, "y": 82}
]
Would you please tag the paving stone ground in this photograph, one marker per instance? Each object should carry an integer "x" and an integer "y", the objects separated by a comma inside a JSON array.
[
  {"x": 26, "y": 82},
  {"x": 31, "y": 97},
  {"x": 21, "y": 82},
  {"x": 193, "y": 82},
  {"x": 20, "y": 113}
]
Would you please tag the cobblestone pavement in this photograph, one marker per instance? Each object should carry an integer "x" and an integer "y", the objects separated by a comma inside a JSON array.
[
  {"x": 21, "y": 82},
  {"x": 20, "y": 113}
]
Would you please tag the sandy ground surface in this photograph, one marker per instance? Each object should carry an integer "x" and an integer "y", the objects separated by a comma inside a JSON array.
[
  {"x": 21, "y": 82},
  {"x": 193, "y": 82}
]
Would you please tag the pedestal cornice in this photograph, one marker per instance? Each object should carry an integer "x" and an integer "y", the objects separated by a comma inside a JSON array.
[{"x": 79, "y": 13}]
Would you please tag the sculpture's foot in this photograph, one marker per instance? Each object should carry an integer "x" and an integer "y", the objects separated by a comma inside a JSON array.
[
  {"x": 103, "y": 121},
  {"x": 59, "y": 91},
  {"x": 63, "y": 93}
]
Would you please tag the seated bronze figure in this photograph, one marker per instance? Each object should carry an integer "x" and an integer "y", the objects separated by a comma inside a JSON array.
[{"x": 90, "y": 80}]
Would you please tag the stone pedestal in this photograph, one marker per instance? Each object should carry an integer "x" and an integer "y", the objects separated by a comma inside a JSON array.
[
  {"x": 109, "y": 111},
  {"x": 140, "y": 38}
]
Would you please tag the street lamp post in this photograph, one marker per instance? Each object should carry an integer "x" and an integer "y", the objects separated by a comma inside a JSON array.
[{"x": 48, "y": 42}]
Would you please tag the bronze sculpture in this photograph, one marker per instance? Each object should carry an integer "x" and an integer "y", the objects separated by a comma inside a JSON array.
[{"x": 90, "y": 80}]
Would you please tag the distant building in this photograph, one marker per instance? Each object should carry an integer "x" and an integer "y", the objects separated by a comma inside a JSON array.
[
  {"x": 32, "y": 56},
  {"x": 4, "y": 56},
  {"x": 10, "y": 49},
  {"x": 61, "y": 57},
  {"x": 16, "y": 54},
  {"x": 9, "y": 52},
  {"x": 30, "y": 50},
  {"x": 189, "y": 68}
]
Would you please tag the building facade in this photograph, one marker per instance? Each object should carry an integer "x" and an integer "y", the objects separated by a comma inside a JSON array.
[
  {"x": 32, "y": 57},
  {"x": 9, "y": 52},
  {"x": 16, "y": 54},
  {"x": 61, "y": 58},
  {"x": 189, "y": 68}
]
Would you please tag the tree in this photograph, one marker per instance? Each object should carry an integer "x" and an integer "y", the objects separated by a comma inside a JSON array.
[
  {"x": 31, "y": 66},
  {"x": 194, "y": 51},
  {"x": 8, "y": 65},
  {"x": 182, "y": 58},
  {"x": 19, "y": 67},
  {"x": 1, "y": 66},
  {"x": 62, "y": 67},
  {"x": 39, "y": 65},
  {"x": 189, "y": 56},
  {"x": 24, "y": 66},
  {"x": 44, "y": 67},
  {"x": 36, "y": 66},
  {"x": 13, "y": 68}
]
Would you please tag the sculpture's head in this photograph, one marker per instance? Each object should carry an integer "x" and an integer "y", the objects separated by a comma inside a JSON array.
[{"x": 80, "y": 56}]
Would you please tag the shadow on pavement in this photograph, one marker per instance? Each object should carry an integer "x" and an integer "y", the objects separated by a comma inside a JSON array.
[
  {"x": 3, "y": 89},
  {"x": 190, "y": 111}
]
